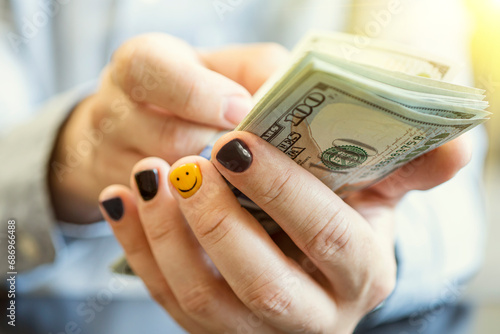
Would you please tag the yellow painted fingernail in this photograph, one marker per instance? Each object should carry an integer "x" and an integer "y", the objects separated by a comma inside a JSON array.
[{"x": 186, "y": 179}]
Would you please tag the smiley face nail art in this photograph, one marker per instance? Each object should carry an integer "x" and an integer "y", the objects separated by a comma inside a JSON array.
[{"x": 186, "y": 179}]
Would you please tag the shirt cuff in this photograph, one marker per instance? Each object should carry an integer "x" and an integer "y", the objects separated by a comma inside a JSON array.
[{"x": 24, "y": 192}]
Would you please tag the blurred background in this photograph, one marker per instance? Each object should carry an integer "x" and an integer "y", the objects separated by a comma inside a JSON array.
[
  {"x": 483, "y": 295},
  {"x": 485, "y": 288}
]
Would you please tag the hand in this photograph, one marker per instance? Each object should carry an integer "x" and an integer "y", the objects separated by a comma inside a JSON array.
[
  {"x": 159, "y": 97},
  {"x": 212, "y": 266}
]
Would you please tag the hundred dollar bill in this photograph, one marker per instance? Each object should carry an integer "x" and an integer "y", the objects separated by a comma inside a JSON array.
[
  {"x": 352, "y": 114},
  {"x": 414, "y": 65},
  {"x": 348, "y": 137},
  {"x": 378, "y": 53},
  {"x": 351, "y": 110}
]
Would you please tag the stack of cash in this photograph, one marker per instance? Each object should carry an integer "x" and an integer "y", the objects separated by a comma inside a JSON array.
[{"x": 351, "y": 110}]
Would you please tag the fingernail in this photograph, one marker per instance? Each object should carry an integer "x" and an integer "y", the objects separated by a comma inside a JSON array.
[
  {"x": 147, "y": 182},
  {"x": 113, "y": 207},
  {"x": 235, "y": 156},
  {"x": 236, "y": 108},
  {"x": 186, "y": 179}
]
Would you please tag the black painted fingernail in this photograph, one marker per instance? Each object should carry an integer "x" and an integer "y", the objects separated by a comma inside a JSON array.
[
  {"x": 113, "y": 207},
  {"x": 147, "y": 182},
  {"x": 235, "y": 156}
]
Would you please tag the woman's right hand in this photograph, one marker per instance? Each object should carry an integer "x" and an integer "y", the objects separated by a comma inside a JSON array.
[
  {"x": 157, "y": 97},
  {"x": 214, "y": 268}
]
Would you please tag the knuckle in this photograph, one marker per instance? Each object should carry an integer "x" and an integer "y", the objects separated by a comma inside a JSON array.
[
  {"x": 132, "y": 250},
  {"x": 199, "y": 301},
  {"x": 274, "y": 296},
  {"x": 331, "y": 240},
  {"x": 160, "y": 231},
  {"x": 122, "y": 62},
  {"x": 273, "y": 194},
  {"x": 131, "y": 67},
  {"x": 272, "y": 301},
  {"x": 212, "y": 225}
]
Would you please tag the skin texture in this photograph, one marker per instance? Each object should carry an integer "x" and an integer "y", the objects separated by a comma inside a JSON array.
[
  {"x": 205, "y": 259},
  {"x": 332, "y": 264},
  {"x": 157, "y": 97}
]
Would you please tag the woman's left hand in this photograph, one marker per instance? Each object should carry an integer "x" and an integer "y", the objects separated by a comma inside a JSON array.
[{"x": 213, "y": 267}]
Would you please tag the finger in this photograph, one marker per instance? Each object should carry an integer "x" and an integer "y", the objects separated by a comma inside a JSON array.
[
  {"x": 249, "y": 65},
  {"x": 427, "y": 171},
  {"x": 169, "y": 138},
  {"x": 253, "y": 266},
  {"x": 336, "y": 238},
  {"x": 201, "y": 292},
  {"x": 146, "y": 131},
  {"x": 164, "y": 71},
  {"x": 119, "y": 209}
]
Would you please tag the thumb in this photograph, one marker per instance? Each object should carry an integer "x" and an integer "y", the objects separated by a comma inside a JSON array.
[
  {"x": 249, "y": 65},
  {"x": 166, "y": 74}
]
